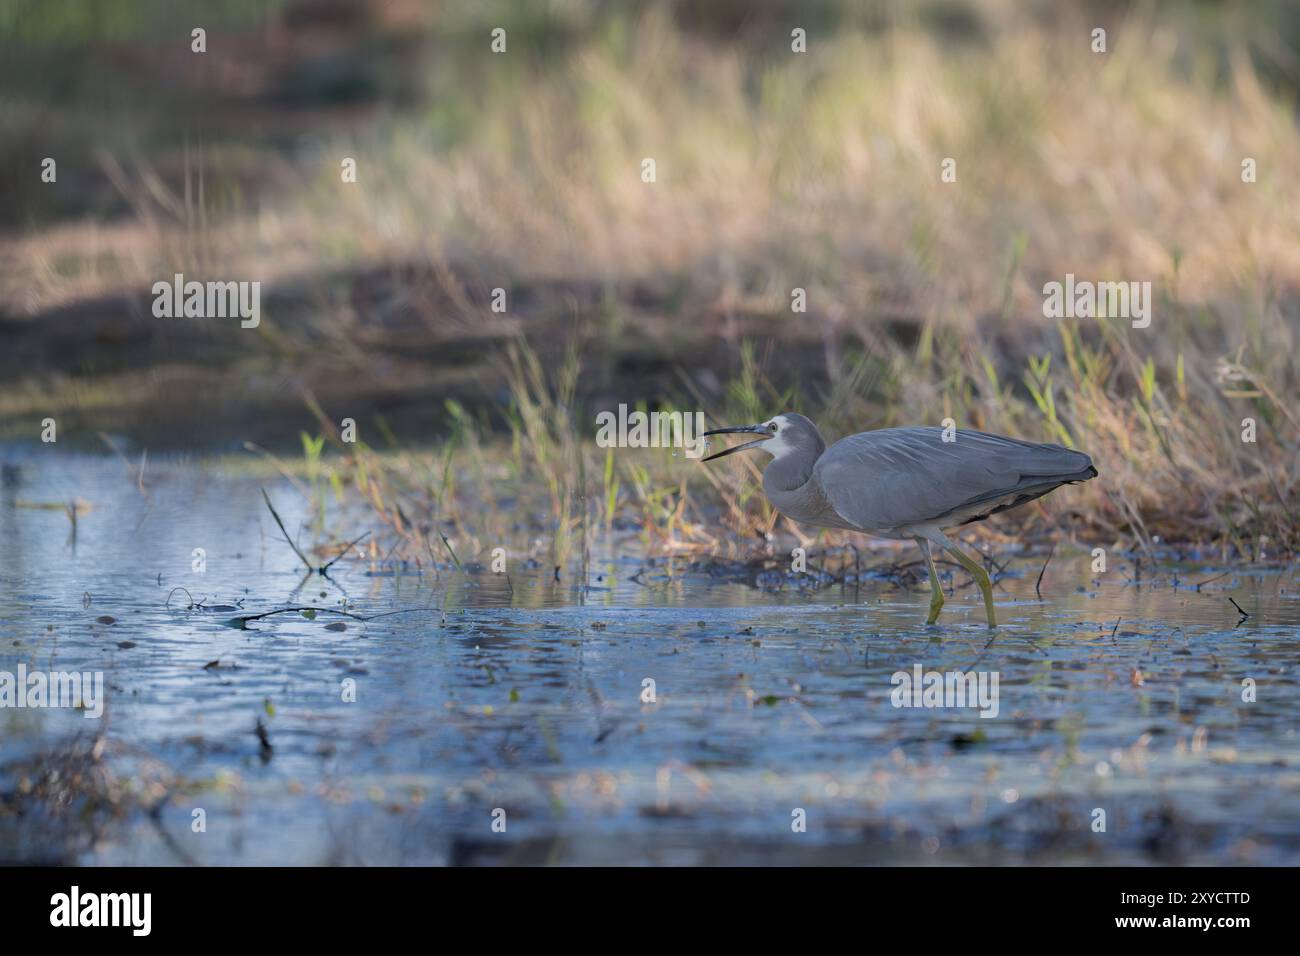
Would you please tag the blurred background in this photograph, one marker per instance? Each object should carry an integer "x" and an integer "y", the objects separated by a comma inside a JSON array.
[{"x": 775, "y": 170}]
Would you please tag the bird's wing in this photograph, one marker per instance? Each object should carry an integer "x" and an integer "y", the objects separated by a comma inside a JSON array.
[{"x": 900, "y": 476}]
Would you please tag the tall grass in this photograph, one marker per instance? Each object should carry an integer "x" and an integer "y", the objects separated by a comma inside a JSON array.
[{"x": 536, "y": 492}]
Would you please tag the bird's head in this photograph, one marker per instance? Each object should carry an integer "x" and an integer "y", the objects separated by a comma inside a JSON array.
[{"x": 780, "y": 436}]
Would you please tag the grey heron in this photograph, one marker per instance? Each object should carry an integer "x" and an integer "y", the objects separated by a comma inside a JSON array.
[{"x": 903, "y": 483}]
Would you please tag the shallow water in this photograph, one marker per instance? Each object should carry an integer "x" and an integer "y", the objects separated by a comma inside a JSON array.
[{"x": 527, "y": 695}]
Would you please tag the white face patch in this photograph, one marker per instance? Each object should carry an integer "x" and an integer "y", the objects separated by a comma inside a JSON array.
[{"x": 776, "y": 446}]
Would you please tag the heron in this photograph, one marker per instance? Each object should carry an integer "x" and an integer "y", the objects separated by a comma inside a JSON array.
[{"x": 906, "y": 483}]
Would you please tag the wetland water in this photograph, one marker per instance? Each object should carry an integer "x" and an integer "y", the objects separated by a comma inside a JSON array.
[{"x": 528, "y": 697}]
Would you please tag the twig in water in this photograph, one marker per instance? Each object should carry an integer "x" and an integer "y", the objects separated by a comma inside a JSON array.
[
  {"x": 168, "y": 602},
  {"x": 459, "y": 566},
  {"x": 1038, "y": 583},
  {"x": 1243, "y": 614},
  {"x": 274, "y": 514},
  {"x": 1215, "y": 578},
  {"x": 155, "y": 817},
  {"x": 302, "y": 557},
  {"x": 433, "y": 558},
  {"x": 264, "y": 740},
  {"x": 346, "y": 548},
  {"x": 242, "y": 622},
  {"x": 137, "y": 474}
]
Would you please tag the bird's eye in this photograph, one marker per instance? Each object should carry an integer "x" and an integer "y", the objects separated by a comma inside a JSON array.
[{"x": 771, "y": 426}]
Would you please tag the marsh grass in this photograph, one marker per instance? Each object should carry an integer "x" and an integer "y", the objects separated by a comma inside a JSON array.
[{"x": 548, "y": 491}]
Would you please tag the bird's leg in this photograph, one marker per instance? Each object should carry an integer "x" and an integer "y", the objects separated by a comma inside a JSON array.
[
  {"x": 936, "y": 589},
  {"x": 976, "y": 571}
]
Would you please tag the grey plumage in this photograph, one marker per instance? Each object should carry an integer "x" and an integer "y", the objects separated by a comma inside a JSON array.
[
  {"x": 906, "y": 482},
  {"x": 897, "y": 477}
]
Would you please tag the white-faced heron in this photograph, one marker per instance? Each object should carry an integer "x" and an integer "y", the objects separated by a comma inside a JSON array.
[{"x": 905, "y": 483}]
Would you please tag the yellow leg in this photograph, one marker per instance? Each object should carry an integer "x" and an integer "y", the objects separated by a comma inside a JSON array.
[
  {"x": 978, "y": 573},
  {"x": 936, "y": 589}
]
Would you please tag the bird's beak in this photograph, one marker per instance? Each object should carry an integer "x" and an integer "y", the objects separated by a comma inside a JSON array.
[{"x": 738, "y": 429}]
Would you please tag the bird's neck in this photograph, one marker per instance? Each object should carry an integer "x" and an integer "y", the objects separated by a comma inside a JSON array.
[{"x": 788, "y": 473}]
